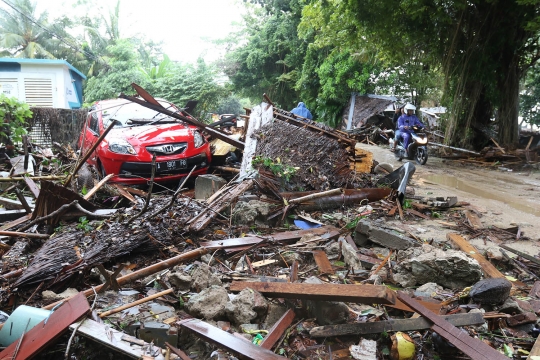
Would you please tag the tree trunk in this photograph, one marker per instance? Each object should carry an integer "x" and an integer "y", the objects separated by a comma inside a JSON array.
[{"x": 507, "y": 114}]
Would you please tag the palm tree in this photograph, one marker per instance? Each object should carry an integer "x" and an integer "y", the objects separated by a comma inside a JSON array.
[{"x": 20, "y": 36}]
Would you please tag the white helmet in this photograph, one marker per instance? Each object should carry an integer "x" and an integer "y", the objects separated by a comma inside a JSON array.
[{"x": 410, "y": 107}]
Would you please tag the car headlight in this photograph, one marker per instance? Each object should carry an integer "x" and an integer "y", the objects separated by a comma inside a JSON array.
[
  {"x": 121, "y": 146},
  {"x": 198, "y": 139}
]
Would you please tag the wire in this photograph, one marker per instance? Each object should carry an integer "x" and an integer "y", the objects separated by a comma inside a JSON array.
[{"x": 62, "y": 39}]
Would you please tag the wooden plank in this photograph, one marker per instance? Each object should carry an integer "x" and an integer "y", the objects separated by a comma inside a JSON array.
[
  {"x": 417, "y": 213},
  {"x": 472, "y": 347},
  {"x": 473, "y": 220},
  {"x": 522, "y": 254},
  {"x": 15, "y": 222},
  {"x": 98, "y": 186},
  {"x": 32, "y": 186},
  {"x": 366, "y": 294},
  {"x": 182, "y": 355},
  {"x": 326, "y": 232},
  {"x": 278, "y": 329},
  {"x": 48, "y": 330},
  {"x": 489, "y": 270},
  {"x": 322, "y": 262},
  {"x": 114, "y": 339},
  {"x": 378, "y": 327},
  {"x": 241, "y": 348},
  {"x": 125, "y": 194},
  {"x": 434, "y": 307}
]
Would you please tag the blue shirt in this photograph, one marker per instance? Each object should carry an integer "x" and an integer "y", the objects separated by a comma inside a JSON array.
[{"x": 410, "y": 121}]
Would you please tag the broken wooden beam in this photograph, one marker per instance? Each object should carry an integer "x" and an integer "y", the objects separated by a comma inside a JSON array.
[
  {"x": 377, "y": 327},
  {"x": 278, "y": 329},
  {"x": 347, "y": 198},
  {"x": 434, "y": 307},
  {"x": 475, "y": 348},
  {"x": 521, "y": 254},
  {"x": 182, "y": 355},
  {"x": 241, "y": 348},
  {"x": 473, "y": 220},
  {"x": 31, "y": 186},
  {"x": 366, "y": 294},
  {"x": 41, "y": 335},
  {"x": 322, "y": 262},
  {"x": 489, "y": 270}
]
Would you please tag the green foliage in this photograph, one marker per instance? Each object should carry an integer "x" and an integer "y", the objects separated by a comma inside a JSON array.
[
  {"x": 230, "y": 105},
  {"x": 124, "y": 70},
  {"x": 84, "y": 224},
  {"x": 352, "y": 225},
  {"x": 13, "y": 116},
  {"x": 276, "y": 166},
  {"x": 530, "y": 97},
  {"x": 407, "y": 204}
]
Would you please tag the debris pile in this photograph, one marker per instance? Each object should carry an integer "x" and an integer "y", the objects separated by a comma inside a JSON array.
[{"x": 302, "y": 256}]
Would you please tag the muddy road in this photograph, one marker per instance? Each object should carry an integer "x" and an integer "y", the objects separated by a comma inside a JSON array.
[{"x": 503, "y": 198}]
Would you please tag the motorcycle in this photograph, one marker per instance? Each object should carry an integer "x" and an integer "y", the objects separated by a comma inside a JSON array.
[{"x": 417, "y": 149}]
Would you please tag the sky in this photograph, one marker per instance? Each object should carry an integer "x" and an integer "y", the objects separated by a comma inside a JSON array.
[{"x": 184, "y": 26}]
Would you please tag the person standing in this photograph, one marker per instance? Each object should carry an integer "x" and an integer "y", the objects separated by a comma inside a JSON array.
[{"x": 302, "y": 110}]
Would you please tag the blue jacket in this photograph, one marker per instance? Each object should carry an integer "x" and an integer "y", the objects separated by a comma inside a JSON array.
[
  {"x": 302, "y": 110},
  {"x": 410, "y": 121}
]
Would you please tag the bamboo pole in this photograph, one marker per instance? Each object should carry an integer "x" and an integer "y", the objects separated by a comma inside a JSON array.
[
  {"x": 135, "y": 303},
  {"x": 23, "y": 234},
  {"x": 315, "y": 196},
  {"x": 8, "y": 179},
  {"x": 147, "y": 271}
]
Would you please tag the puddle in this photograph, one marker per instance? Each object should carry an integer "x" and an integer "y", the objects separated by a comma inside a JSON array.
[{"x": 458, "y": 184}]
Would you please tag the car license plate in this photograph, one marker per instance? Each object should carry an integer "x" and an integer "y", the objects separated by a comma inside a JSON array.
[{"x": 171, "y": 165}]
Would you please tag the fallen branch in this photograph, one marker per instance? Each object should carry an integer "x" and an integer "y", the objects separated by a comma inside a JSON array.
[
  {"x": 23, "y": 234},
  {"x": 10, "y": 179}
]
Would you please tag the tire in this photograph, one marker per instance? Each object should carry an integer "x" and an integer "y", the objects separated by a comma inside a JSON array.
[{"x": 421, "y": 156}]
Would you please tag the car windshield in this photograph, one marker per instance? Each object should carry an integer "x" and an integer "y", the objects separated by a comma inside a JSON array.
[{"x": 132, "y": 114}]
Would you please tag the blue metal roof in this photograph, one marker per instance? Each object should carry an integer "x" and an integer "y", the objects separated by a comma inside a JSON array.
[{"x": 43, "y": 62}]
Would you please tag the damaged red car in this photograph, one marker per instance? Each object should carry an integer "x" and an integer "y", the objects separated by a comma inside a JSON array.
[{"x": 137, "y": 134}]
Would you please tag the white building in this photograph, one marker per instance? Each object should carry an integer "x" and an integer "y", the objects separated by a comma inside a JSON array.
[{"x": 42, "y": 82}]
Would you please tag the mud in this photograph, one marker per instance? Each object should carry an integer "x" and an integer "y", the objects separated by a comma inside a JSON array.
[{"x": 503, "y": 198}]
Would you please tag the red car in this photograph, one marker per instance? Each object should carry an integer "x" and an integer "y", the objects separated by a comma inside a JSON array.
[{"x": 139, "y": 133}]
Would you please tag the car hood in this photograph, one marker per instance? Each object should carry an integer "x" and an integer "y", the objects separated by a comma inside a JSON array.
[{"x": 153, "y": 133}]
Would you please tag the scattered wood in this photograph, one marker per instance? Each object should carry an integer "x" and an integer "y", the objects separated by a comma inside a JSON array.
[
  {"x": 377, "y": 327},
  {"x": 522, "y": 254},
  {"x": 473, "y": 220},
  {"x": 475, "y": 348},
  {"x": 278, "y": 329},
  {"x": 110, "y": 279},
  {"x": 365, "y": 294},
  {"x": 416, "y": 213},
  {"x": 294, "y": 272},
  {"x": 349, "y": 197},
  {"x": 11, "y": 204},
  {"x": 30, "y": 183},
  {"x": 241, "y": 348},
  {"x": 147, "y": 271},
  {"x": 319, "y": 195},
  {"x": 226, "y": 200},
  {"x": 261, "y": 263},
  {"x": 23, "y": 234},
  {"x": 180, "y": 353},
  {"x": 125, "y": 194},
  {"x": 322, "y": 262},
  {"x": 23, "y": 201}
]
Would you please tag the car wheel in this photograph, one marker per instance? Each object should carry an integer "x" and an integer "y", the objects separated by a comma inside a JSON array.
[{"x": 421, "y": 156}]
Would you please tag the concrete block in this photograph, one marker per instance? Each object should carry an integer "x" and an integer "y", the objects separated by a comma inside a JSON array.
[
  {"x": 206, "y": 185},
  {"x": 366, "y": 230}
]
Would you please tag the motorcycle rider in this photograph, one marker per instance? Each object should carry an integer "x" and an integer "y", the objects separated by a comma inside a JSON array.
[
  {"x": 405, "y": 124},
  {"x": 397, "y": 115}
]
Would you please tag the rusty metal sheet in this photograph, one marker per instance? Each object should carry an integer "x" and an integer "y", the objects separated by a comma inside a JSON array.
[
  {"x": 364, "y": 294},
  {"x": 322, "y": 262},
  {"x": 327, "y": 232},
  {"x": 239, "y": 347},
  {"x": 48, "y": 330},
  {"x": 475, "y": 348},
  {"x": 278, "y": 329}
]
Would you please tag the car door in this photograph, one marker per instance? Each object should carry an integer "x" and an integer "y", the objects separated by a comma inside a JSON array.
[{"x": 91, "y": 135}]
